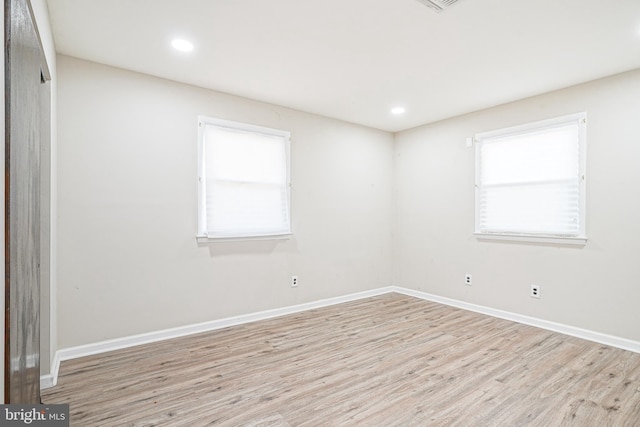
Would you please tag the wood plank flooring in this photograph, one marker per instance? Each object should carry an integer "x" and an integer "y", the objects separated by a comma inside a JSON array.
[{"x": 390, "y": 360}]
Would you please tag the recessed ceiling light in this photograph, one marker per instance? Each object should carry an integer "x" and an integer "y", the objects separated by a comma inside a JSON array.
[
  {"x": 397, "y": 110},
  {"x": 182, "y": 45}
]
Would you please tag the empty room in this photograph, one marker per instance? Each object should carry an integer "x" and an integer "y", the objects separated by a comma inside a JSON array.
[{"x": 335, "y": 213}]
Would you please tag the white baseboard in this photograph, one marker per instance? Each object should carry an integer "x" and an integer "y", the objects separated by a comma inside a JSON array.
[
  {"x": 610, "y": 340},
  {"x": 47, "y": 381},
  {"x": 51, "y": 380},
  {"x": 134, "y": 340}
]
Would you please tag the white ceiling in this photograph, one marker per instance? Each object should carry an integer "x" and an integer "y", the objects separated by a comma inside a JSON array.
[{"x": 356, "y": 59}]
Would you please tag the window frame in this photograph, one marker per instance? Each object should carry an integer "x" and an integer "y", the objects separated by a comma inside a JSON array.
[
  {"x": 202, "y": 236},
  {"x": 581, "y": 237}
]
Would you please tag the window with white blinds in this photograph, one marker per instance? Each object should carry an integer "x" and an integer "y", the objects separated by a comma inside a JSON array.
[
  {"x": 530, "y": 180},
  {"x": 243, "y": 181}
]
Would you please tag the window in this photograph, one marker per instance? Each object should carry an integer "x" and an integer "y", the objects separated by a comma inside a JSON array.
[
  {"x": 530, "y": 181},
  {"x": 243, "y": 181}
]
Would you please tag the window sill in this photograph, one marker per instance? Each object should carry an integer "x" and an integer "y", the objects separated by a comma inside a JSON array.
[
  {"x": 207, "y": 239},
  {"x": 557, "y": 240}
]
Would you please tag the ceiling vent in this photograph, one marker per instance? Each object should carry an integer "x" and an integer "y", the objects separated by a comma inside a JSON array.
[{"x": 438, "y": 5}]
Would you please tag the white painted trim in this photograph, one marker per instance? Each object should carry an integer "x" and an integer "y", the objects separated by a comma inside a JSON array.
[
  {"x": 581, "y": 241},
  {"x": 207, "y": 239},
  {"x": 134, "y": 340},
  {"x": 51, "y": 380},
  {"x": 610, "y": 340}
]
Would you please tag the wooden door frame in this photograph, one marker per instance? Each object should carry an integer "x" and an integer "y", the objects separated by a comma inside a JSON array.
[{"x": 33, "y": 54}]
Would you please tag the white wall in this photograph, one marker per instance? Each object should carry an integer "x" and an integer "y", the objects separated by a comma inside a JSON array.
[
  {"x": 128, "y": 261},
  {"x": 595, "y": 287}
]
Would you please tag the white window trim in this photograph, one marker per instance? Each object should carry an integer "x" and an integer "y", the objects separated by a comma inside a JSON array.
[
  {"x": 201, "y": 235},
  {"x": 207, "y": 239},
  {"x": 579, "y": 241},
  {"x": 581, "y": 238}
]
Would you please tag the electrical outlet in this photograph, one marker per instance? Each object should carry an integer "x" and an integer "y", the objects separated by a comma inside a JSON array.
[
  {"x": 535, "y": 291},
  {"x": 294, "y": 281},
  {"x": 467, "y": 279}
]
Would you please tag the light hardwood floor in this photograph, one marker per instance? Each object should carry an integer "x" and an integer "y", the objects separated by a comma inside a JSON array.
[{"x": 390, "y": 360}]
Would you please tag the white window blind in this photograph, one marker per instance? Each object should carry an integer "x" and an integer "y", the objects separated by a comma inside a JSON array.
[
  {"x": 243, "y": 180},
  {"x": 530, "y": 179}
]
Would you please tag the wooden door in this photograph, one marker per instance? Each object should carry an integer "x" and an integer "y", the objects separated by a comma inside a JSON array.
[{"x": 25, "y": 73}]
